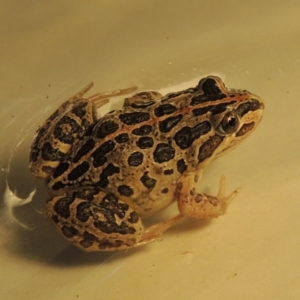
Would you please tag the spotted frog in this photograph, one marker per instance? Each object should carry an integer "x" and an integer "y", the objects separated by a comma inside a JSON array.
[{"x": 106, "y": 174}]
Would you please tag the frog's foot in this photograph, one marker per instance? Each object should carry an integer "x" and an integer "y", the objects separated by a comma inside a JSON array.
[
  {"x": 203, "y": 206},
  {"x": 96, "y": 97},
  {"x": 155, "y": 231},
  {"x": 80, "y": 94},
  {"x": 103, "y": 224},
  {"x": 100, "y": 99}
]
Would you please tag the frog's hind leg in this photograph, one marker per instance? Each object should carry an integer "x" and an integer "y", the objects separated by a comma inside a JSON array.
[
  {"x": 60, "y": 131},
  {"x": 54, "y": 139},
  {"x": 156, "y": 231},
  {"x": 98, "y": 222}
]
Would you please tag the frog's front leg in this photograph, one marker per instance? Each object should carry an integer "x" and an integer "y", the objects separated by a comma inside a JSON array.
[
  {"x": 101, "y": 222},
  {"x": 192, "y": 204},
  {"x": 203, "y": 206}
]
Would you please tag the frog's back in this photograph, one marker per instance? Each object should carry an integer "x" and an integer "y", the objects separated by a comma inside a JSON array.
[
  {"x": 139, "y": 153},
  {"x": 135, "y": 151}
]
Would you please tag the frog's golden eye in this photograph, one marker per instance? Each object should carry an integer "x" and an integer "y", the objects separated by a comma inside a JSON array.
[{"x": 229, "y": 123}]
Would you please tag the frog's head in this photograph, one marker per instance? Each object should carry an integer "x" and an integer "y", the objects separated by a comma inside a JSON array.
[{"x": 234, "y": 115}]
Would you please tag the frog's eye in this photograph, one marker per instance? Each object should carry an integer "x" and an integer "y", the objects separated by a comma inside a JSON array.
[{"x": 229, "y": 123}]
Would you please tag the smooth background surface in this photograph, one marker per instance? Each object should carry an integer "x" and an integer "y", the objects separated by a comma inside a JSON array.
[{"x": 50, "y": 50}]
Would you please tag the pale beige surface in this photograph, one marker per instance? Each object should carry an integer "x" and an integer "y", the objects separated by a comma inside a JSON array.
[{"x": 50, "y": 49}]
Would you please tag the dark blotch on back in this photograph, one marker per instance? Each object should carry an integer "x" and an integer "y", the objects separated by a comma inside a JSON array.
[
  {"x": 61, "y": 168},
  {"x": 143, "y": 130},
  {"x": 145, "y": 142},
  {"x": 163, "y": 152},
  {"x": 85, "y": 148},
  {"x": 185, "y": 137},
  {"x": 58, "y": 185},
  {"x": 66, "y": 129},
  {"x": 109, "y": 170},
  {"x": 167, "y": 124},
  {"x": 99, "y": 155},
  {"x": 62, "y": 207},
  {"x": 134, "y": 118},
  {"x": 181, "y": 166},
  {"x": 164, "y": 109},
  {"x": 122, "y": 138},
  {"x": 107, "y": 128},
  {"x": 78, "y": 171},
  {"x": 125, "y": 190},
  {"x": 168, "y": 172},
  {"x": 201, "y": 111},
  {"x": 51, "y": 154},
  {"x": 147, "y": 181},
  {"x": 135, "y": 159}
]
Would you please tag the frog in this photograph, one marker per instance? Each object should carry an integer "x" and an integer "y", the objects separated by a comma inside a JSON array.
[{"x": 106, "y": 174}]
